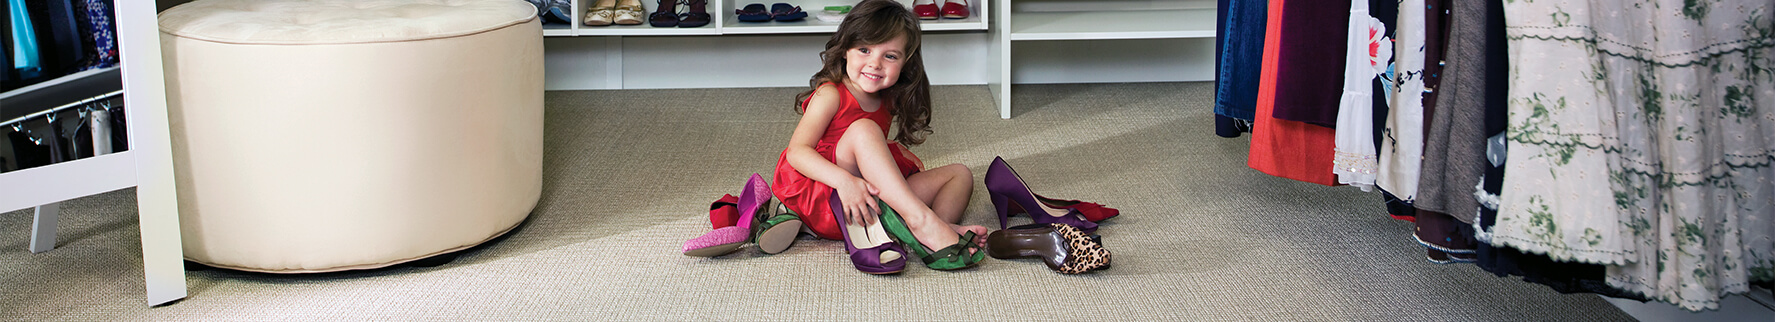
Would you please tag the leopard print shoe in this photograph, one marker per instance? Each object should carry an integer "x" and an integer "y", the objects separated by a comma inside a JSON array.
[{"x": 1064, "y": 248}]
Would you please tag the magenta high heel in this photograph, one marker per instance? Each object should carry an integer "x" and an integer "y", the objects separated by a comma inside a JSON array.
[{"x": 1006, "y": 187}]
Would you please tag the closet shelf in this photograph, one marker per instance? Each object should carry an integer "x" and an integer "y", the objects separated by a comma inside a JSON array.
[
  {"x": 555, "y": 29},
  {"x": 61, "y": 90},
  {"x": 646, "y": 30},
  {"x": 726, "y": 22},
  {"x": 813, "y": 25},
  {"x": 1128, "y": 24}
]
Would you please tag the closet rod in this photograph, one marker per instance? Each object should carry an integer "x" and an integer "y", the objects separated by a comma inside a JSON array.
[{"x": 63, "y": 107}]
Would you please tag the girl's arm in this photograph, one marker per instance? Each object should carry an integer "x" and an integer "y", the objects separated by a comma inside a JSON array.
[{"x": 853, "y": 192}]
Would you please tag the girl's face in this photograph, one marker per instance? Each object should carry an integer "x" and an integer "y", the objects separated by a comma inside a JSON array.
[{"x": 875, "y": 67}]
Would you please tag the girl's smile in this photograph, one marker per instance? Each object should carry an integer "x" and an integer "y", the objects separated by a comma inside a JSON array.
[{"x": 875, "y": 67}]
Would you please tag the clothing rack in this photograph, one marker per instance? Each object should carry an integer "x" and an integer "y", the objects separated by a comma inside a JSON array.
[{"x": 53, "y": 110}]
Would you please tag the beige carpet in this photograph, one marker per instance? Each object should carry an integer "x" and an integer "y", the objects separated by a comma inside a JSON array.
[{"x": 629, "y": 175}]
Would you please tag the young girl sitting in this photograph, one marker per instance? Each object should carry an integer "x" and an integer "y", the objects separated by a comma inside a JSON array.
[{"x": 839, "y": 160}]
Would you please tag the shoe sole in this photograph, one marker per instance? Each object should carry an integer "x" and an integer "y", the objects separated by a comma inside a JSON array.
[
  {"x": 779, "y": 237},
  {"x": 717, "y": 250}
]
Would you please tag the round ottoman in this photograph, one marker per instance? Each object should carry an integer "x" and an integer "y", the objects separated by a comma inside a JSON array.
[{"x": 316, "y": 136}]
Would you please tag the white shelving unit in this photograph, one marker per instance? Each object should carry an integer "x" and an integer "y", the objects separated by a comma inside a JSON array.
[
  {"x": 1042, "y": 20},
  {"x": 726, "y": 22},
  {"x": 147, "y": 165}
]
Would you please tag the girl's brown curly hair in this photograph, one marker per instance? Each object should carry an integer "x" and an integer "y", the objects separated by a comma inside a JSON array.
[{"x": 873, "y": 22}]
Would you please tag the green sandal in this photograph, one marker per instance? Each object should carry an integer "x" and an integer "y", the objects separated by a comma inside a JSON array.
[
  {"x": 775, "y": 233},
  {"x": 964, "y": 254}
]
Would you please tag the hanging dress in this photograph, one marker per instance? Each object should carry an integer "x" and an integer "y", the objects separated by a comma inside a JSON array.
[
  {"x": 1368, "y": 56},
  {"x": 1284, "y": 148},
  {"x": 1403, "y": 133},
  {"x": 1240, "y": 65},
  {"x": 1642, "y": 137}
]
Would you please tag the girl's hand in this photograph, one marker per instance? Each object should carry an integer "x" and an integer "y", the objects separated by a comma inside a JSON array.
[{"x": 857, "y": 198}]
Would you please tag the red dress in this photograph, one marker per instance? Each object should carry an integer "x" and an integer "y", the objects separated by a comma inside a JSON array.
[
  {"x": 810, "y": 199},
  {"x": 1283, "y": 148}
]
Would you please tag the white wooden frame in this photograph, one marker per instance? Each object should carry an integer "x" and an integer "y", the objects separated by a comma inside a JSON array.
[{"x": 147, "y": 165}]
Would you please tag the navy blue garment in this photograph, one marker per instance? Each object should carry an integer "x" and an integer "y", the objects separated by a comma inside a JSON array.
[{"x": 1241, "y": 59}]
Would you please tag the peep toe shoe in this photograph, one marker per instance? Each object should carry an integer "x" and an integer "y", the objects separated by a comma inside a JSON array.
[
  {"x": 870, "y": 248},
  {"x": 964, "y": 253},
  {"x": 1007, "y": 188}
]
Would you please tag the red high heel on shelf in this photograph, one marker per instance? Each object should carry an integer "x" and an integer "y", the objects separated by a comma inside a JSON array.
[
  {"x": 925, "y": 11},
  {"x": 955, "y": 10}
]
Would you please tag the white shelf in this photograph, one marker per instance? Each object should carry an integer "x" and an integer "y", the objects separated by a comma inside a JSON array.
[
  {"x": 728, "y": 23},
  {"x": 814, "y": 25},
  {"x": 646, "y": 30},
  {"x": 1130, "y": 24},
  {"x": 554, "y": 29}
]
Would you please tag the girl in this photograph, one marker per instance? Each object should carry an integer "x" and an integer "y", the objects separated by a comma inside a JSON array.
[{"x": 873, "y": 73}]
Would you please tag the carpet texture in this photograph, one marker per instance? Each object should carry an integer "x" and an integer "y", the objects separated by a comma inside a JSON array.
[{"x": 629, "y": 175}]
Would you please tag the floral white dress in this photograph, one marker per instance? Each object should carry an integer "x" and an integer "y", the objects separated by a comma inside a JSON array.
[
  {"x": 1369, "y": 55},
  {"x": 1641, "y": 136},
  {"x": 1402, "y": 138}
]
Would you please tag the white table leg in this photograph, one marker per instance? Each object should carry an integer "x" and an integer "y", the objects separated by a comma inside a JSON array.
[{"x": 43, "y": 227}]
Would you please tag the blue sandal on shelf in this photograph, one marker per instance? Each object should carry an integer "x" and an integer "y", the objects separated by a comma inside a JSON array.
[
  {"x": 753, "y": 13},
  {"x": 786, "y": 12}
]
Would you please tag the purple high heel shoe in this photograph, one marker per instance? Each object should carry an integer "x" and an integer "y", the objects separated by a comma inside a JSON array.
[
  {"x": 885, "y": 258},
  {"x": 1007, "y": 187}
]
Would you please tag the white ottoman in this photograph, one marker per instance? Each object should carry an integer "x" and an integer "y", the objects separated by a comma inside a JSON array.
[{"x": 316, "y": 136}]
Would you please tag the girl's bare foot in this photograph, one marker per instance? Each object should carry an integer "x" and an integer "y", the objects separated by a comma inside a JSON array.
[{"x": 979, "y": 232}]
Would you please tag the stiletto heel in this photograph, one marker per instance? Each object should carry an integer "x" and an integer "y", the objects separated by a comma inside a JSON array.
[
  {"x": 1004, "y": 209},
  {"x": 1063, "y": 248},
  {"x": 1002, "y": 181},
  {"x": 870, "y": 249}
]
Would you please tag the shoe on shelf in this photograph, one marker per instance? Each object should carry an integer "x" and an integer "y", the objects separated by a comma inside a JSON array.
[
  {"x": 629, "y": 12},
  {"x": 964, "y": 253},
  {"x": 696, "y": 16},
  {"x": 925, "y": 9},
  {"x": 1063, "y": 248},
  {"x": 753, "y": 13},
  {"x": 870, "y": 248},
  {"x": 1006, "y": 188},
  {"x": 665, "y": 15},
  {"x": 786, "y": 12},
  {"x": 601, "y": 13},
  {"x": 955, "y": 9}
]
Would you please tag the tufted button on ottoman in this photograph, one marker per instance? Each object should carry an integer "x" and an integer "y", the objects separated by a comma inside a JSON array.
[{"x": 328, "y": 135}]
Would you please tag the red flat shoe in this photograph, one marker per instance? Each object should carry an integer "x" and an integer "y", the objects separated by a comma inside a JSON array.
[
  {"x": 955, "y": 10},
  {"x": 1092, "y": 211},
  {"x": 926, "y": 11}
]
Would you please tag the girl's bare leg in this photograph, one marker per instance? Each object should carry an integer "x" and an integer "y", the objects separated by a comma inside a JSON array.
[{"x": 863, "y": 150}]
